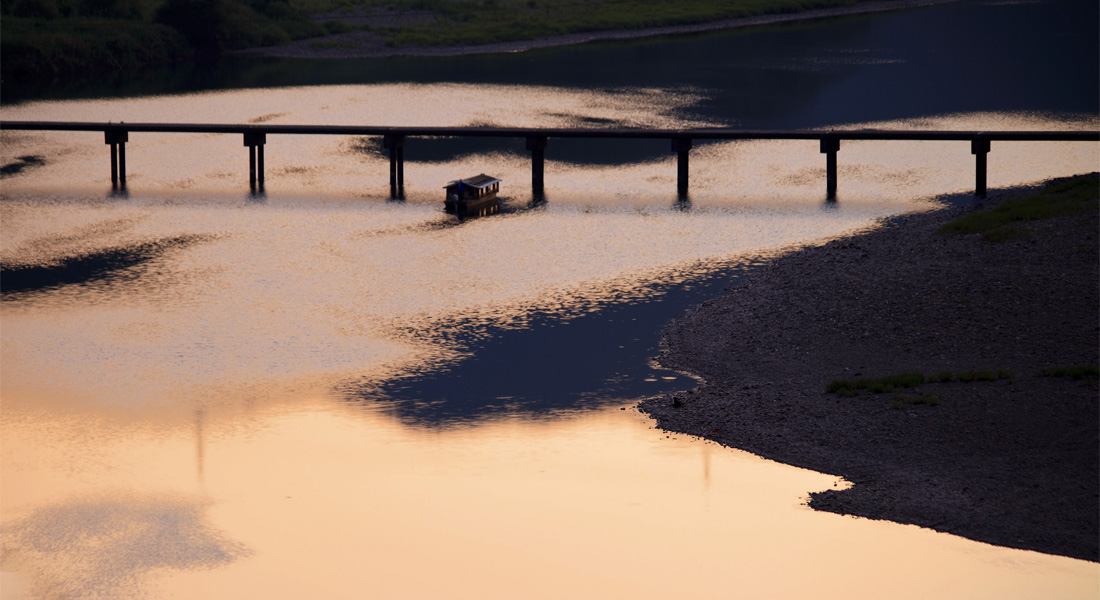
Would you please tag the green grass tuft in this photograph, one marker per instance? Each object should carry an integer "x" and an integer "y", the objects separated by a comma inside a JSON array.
[
  {"x": 1006, "y": 233},
  {"x": 898, "y": 385},
  {"x": 941, "y": 377},
  {"x": 969, "y": 376},
  {"x": 1079, "y": 372},
  {"x": 906, "y": 400},
  {"x": 1072, "y": 197},
  {"x": 874, "y": 385}
]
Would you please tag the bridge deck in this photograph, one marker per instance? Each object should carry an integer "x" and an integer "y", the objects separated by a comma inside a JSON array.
[{"x": 394, "y": 138}]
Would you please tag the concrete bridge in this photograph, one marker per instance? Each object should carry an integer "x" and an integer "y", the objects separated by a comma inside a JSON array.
[{"x": 394, "y": 139}]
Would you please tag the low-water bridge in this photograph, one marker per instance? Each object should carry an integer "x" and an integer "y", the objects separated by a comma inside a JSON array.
[{"x": 394, "y": 138}]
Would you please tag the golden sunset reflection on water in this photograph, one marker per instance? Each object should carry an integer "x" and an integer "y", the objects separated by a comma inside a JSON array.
[
  {"x": 312, "y": 497},
  {"x": 173, "y": 429}
]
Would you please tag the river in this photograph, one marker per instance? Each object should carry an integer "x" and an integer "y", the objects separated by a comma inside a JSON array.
[{"x": 318, "y": 391}]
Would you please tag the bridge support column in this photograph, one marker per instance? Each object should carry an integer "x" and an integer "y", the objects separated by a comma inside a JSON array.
[
  {"x": 117, "y": 139},
  {"x": 255, "y": 143},
  {"x": 979, "y": 147},
  {"x": 537, "y": 146},
  {"x": 395, "y": 143},
  {"x": 681, "y": 146},
  {"x": 829, "y": 147}
]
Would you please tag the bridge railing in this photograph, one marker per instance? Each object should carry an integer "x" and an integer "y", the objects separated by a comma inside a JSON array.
[{"x": 394, "y": 138}]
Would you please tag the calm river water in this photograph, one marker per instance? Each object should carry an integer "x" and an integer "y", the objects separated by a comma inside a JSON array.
[{"x": 321, "y": 392}]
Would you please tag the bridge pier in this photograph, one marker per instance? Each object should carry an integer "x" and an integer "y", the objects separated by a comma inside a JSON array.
[
  {"x": 829, "y": 147},
  {"x": 116, "y": 136},
  {"x": 537, "y": 146},
  {"x": 395, "y": 143},
  {"x": 117, "y": 139},
  {"x": 681, "y": 146},
  {"x": 255, "y": 143},
  {"x": 979, "y": 147}
]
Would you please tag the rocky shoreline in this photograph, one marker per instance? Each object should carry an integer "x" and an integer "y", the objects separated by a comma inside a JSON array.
[
  {"x": 366, "y": 44},
  {"x": 1011, "y": 461}
]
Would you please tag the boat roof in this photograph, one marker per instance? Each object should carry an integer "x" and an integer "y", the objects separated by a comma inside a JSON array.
[{"x": 478, "y": 181}]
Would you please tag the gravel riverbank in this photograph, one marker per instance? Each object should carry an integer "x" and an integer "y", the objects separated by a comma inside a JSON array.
[{"x": 1013, "y": 462}]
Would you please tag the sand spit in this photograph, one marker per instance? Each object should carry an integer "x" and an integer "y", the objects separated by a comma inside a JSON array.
[
  {"x": 1013, "y": 462},
  {"x": 366, "y": 44}
]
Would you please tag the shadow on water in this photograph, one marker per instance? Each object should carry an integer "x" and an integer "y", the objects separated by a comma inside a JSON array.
[
  {"x": 120, "y": 263},
  {"x": 588, "y": 152},
  {"x": 552, "y": 366},
  {"x": 557, "y": 364},
  {"x": 100, "y": 546},
  {"x": 21, "y": 163}
]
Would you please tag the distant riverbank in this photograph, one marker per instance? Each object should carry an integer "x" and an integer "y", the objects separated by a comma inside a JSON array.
[
  {"x": 48, "y": 50},
  {"x": 963, "y": 370},
  {"x": 368, "y": 44}
]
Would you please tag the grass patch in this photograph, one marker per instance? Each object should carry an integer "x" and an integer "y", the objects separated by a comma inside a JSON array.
[
  {"x": 902, "y": 381},
  {"x": 488, "y": 21},
  {"x": 902, "y": 401},
  {"x": 902, "y": 386},
  {"x": 1078, "y": 372},
  {"x": 1003, "y": 223},
  {"x": 969, "y": 376},
  {"x": 942, "y": 376},
  {"x": 874, "y": 385},
  {"x": 1006, "y": 233}
]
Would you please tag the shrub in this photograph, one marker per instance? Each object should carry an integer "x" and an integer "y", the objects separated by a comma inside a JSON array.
[
  {"x": 31, "y": 51},
  {"x": 205, "y": 23},
  {"x": 33, "y": 9}
]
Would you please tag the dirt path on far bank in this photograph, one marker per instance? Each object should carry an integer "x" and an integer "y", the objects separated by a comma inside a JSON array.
[
  {"x": 1013, "y": 462},
  {"x": 366, "y": 44}
]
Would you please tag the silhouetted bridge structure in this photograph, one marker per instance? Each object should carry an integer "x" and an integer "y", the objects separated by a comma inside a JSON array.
[{"x": 394, "y": 138}]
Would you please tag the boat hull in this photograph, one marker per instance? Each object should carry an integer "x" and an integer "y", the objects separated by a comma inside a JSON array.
[{"x": 466, "y": 208}]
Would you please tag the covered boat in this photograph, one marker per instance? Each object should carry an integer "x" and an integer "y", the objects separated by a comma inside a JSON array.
[{"x": 473, "y": 197}]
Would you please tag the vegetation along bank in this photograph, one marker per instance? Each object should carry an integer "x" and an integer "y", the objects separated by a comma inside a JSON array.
[{"x": 66, "y": 39}]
